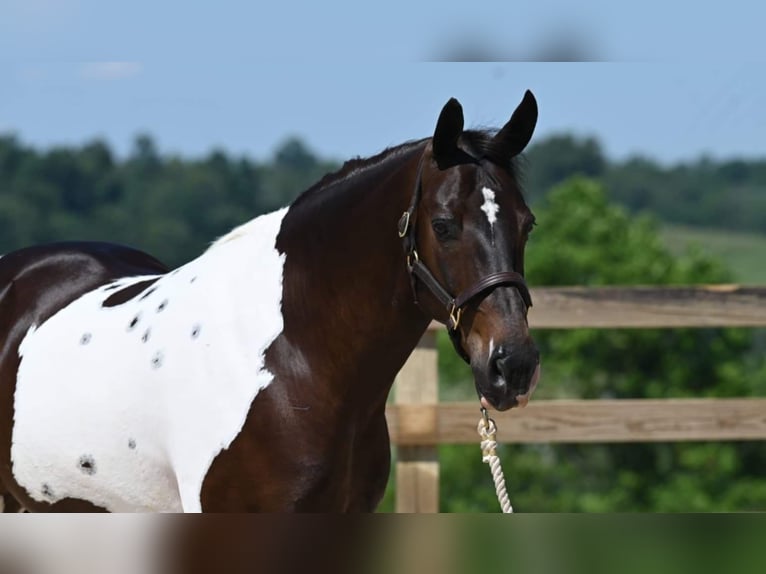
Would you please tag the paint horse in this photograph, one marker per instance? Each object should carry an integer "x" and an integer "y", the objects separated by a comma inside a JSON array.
[{"x": 255, "y": 377}]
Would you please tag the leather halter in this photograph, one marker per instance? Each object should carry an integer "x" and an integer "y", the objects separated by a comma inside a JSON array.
[{"x": 418, "y": 270}]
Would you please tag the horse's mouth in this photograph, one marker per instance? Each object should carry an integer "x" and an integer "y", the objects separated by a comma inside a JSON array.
[
  {"x": 519, "y": 400},
  {"x": 503, "y": 405}
]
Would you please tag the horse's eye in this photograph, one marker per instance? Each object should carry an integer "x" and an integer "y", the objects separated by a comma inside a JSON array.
[{"x": 445, "y": 229}]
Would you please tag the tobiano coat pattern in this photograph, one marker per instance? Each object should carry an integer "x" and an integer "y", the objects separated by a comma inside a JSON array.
[{"x": 133, "y": 431}]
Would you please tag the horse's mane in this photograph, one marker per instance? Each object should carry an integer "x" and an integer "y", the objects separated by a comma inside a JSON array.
[
  {"x": 478, "y": 143},
  {"x": 358, "y": 165}
]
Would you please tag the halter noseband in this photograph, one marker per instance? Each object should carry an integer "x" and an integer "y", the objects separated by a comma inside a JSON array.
[{"x": 454, "y": 305}]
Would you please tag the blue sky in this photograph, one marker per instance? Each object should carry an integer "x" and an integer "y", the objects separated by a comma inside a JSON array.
[{"x": 678, "y": 80}]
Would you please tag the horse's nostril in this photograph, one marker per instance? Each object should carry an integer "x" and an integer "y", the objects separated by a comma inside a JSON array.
[
  {"x": 500, "y": 367},
  {"x": 513, "y": 369},
  {"x": 498, "y": 355}
]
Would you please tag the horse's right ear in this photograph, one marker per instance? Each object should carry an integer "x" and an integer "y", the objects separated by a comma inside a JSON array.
[{"x": 448, "y": 130}]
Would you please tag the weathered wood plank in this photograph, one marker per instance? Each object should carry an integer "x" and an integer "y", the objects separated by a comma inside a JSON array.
[
  {"x": 417, "y": 467},
  {"x": 581, "y": 421},
  {"x": 655, "y": 306}
]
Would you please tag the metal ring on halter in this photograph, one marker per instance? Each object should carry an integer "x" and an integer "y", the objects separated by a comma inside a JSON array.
[
  {"x": 489, "y": 423},
  {"x": 485, "y": 416}
]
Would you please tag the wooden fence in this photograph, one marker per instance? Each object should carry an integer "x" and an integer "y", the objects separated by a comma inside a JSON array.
[{"x": 418, "y": 423}]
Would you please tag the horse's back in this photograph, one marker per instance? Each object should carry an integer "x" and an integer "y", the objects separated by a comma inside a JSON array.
[
  {"x": 104, "y": 261},
  {"x": 37, "y": 282}
]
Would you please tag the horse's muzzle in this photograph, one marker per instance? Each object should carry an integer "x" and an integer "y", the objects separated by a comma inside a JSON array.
[{"x": 511, "y": 379}]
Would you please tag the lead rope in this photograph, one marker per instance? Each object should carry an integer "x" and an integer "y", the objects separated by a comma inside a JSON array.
[{"x": 488, "y": 433}]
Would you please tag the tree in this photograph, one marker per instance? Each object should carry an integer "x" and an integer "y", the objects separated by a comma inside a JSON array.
[
  {"x": 294, "y": 169},
  {"x": 552, "y": 160}
]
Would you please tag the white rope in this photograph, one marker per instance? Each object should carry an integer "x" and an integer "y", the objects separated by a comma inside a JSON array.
[{"x": 488, "y": 433}]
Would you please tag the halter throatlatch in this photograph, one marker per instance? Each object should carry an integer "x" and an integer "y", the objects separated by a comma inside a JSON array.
[{"x": 418, "y": 270}]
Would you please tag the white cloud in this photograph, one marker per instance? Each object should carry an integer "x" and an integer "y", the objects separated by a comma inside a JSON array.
[{"x": 110, "y": 70}]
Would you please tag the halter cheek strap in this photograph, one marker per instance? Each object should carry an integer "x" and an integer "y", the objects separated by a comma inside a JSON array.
[{"x": 419, "y": 271}]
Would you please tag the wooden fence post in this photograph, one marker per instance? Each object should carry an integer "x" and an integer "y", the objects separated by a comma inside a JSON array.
[{"x": 417, "y": 467}]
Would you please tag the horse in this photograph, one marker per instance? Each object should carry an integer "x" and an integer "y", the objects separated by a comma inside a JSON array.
[{"x": 254, "y": 378}]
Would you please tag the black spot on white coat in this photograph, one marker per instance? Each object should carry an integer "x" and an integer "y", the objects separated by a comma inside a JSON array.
[
  {"x": 133, "y": 322},
  {"x": 126, "y": 294},
  {"x": 149, "y": 292},
  {"x": 87, "y": 464},
  {"x": 47, "y": 491}
]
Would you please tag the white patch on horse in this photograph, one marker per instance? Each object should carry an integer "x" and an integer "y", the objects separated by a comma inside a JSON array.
[
  {"x": 490, "y": 208},
  {"x": 180, "y": 396},
  {"x": 491, "y": 347}
]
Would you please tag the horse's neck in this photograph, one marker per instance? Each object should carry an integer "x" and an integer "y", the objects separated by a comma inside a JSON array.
[{"x": 347, "y": 295}]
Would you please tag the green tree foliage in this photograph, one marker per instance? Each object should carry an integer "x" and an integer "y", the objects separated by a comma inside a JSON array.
[
  {"x": 170, "y": 207},
  {"x": 582, "y": 239},
  {"x": 554, "y": 159}
]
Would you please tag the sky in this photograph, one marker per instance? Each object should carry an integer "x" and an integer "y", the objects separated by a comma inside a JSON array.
[{"x": 667, "y": 80}]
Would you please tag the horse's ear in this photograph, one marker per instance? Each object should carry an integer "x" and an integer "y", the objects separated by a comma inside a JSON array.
[
  {"x": 515, "y": 135},
  {"x": 448, "y": 130}
]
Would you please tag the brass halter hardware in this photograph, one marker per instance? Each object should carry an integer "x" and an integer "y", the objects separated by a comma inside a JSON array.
[
  {"x": 454, "y": 316},
  {"x": 412, "y": 259},
  {"x": 404, "y": 224}
]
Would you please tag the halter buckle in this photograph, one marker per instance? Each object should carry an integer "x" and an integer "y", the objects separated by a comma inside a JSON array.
[
  {"x": 412, "y": 258},
  {"x": 404, "y": 224},
  {"x": 455, "y": 313}
]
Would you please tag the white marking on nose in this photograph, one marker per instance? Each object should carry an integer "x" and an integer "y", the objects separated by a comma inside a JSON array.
[
  {"x": 490, "y": 207},
  {"x": 491, "y": 348}
]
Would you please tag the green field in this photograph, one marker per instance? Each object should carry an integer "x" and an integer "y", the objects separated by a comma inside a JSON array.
[{"x": 743, "y": 253}]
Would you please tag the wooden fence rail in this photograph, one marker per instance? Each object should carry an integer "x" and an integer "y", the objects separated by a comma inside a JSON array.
[
  {"x": 565, "y": 421},
  {"x": 418, "y": 423}
]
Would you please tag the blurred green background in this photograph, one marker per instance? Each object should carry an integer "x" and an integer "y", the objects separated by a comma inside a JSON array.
[{"x": 600, "y": 222}]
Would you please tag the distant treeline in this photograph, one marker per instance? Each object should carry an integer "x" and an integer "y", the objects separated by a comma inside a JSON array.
[
  {"x": 726, "y": 194},
  {"x": 168, "y": 206},
  {"x": 173, "y": 207}
]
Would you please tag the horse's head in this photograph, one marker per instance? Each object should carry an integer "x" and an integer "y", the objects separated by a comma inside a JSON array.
[{"x": 465, "y": 235}]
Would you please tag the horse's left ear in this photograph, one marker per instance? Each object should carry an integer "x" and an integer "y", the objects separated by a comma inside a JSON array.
[{"x": 515, "y": 135}]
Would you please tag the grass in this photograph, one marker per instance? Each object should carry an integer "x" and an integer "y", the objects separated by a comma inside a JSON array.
[{"x": 743, "y": 252}]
